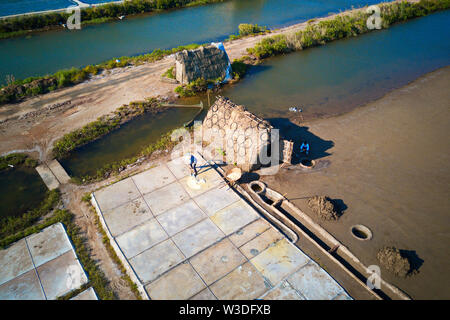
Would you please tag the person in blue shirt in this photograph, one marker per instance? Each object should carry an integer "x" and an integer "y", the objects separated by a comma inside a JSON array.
[
  {"x": 304, "y": 147},
  {"x": 191, "y": 160}
]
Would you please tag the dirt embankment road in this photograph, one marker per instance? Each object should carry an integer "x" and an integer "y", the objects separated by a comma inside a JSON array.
[{"x": 95, "y": 98}]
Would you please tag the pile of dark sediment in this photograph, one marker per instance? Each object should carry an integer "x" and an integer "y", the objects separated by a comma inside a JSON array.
[
  {"x": 393, "y": 261},
  {"x": 323, "y": 207}
]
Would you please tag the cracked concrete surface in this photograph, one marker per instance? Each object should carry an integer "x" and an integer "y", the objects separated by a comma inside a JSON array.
[{"x": 198, "y": 239}]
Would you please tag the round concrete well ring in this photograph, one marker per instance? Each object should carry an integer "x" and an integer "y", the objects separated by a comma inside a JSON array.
[
  {"x": 361, "y": 232},
  {"x": 257, "y": 187},
  {"x": 307, "y": 163}
]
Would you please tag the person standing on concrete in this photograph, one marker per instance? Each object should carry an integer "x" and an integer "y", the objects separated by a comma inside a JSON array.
[{"x": 191, "y": 160}]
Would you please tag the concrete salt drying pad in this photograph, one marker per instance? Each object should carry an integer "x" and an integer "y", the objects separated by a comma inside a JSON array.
[
  {"x": 41, "y": 266},
  {"x": 180, "y": 239}
]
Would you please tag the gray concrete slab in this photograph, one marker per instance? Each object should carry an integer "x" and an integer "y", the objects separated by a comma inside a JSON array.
[
  {"x": 279, "y": 261},
  {"x": 283, "y": 291},
  {"x": 151, "y": 263},
  {"x": 48, "y": 244},
  {"x": 166, "y": 198},
  {"x": 88, "y": 294},
  {"x": 117, "y": 194},
  {"x": 216, "y": 261},
  {"x": 14, "y": 261},
  {"x": 179, "y": 283},
  {"x": 59, "y": 172},
  {"x": 180, "y": 169},
  {"x": 243, "y": 283},
  {"x": 181, "y": 217},
  {"x": 249, "y": 232},
  {"x": 24, "y": 287},
  {"x": 127, "y": 216},
  {"x": 198, "y": 244},
  {"x": 55, "y": 271},
  {"x": 343, "y": 296},
  {"x": 47, "y": 176},
  {"x": 206, "y": 180},
  {"x": 214, "y": 200},
  {"x": 261, "y": 243},
  {"x": 234, "y": 217},
  {"x": 314, "y": 283},
  {"x": 204, "y": 295},
  {"x": 198, "y": 237},
  {"x": 141, "y": 238},
  {"x": 153, "y": 179},
  {"x": 61, "y": 275}
]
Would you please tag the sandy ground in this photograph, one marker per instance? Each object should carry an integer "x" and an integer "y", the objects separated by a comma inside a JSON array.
[
  {"x": 94, "y": 98},
  {"x": 389, "y": 164}
]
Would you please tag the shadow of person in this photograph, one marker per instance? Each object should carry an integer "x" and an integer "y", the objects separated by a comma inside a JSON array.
[
  {"x": 248, "y": 177},
  {"x": 339, "y": 206},
  {"x": 297, "y": 134},
  {"x": 414, "y": 260}
]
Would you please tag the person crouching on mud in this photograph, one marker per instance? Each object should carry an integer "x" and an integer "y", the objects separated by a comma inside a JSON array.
[
  {"x": 191, "y": 160},
  {"x": 304, "y": 148}
]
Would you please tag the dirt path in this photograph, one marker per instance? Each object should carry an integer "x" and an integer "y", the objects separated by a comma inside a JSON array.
[{"x": 85, "y": 219}]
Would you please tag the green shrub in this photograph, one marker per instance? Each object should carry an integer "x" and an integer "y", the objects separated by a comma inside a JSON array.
[
  {"x": 193, "y": 87},
  {"x": 270, "y": 47},
  {"x": 239, "y": 68},
  {"x": 12, "y": 225},
  {"x": 343, "y": 26},
  {"x": 170, "y": 73},
  {"x": 246, "y": 29},
  {"x": 16, "y": 160},
  {"x": 103, "y": 125},
  {"x": 21, "y": 24}
]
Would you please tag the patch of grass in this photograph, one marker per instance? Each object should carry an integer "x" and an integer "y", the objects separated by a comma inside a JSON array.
[
  {"x": 115, "y": 258},
  {"x": 246, "y": 29},
  {"x": 19, "y": 25},
  {"x": 196, "y": 86},
  {"x": 17, "y": 160},
  {"x": 86, "y": 197},
  {"x": 270, "y": 47},
  {"x": 10, "y": 227},
  {"x": 96, "y": 276},
  {"x": 102, "y": 126},
  {"x": 343, "y": 26},
  {"x": 239, "y": 68},
  {"x": 169, "y": 73}
]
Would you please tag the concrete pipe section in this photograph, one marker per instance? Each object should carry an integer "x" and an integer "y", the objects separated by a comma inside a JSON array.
[{"x": 361, "y": 232}]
